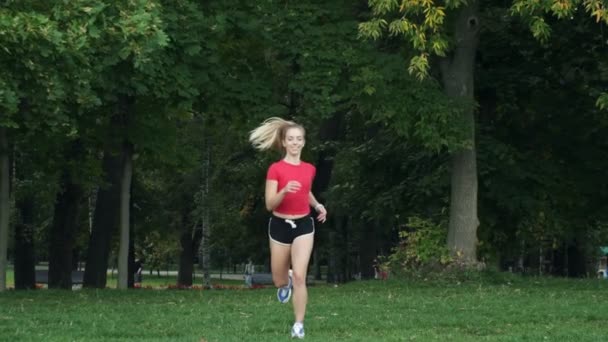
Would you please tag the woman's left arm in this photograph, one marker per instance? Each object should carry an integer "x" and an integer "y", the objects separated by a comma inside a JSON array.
[{"x": 319, "y": 208}]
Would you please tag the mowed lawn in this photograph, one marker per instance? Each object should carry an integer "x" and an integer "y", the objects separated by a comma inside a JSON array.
[{"x": 521, "y": 309}]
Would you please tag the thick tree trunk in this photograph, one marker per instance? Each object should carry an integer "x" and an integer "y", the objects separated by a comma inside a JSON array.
[
  {"x": 458, "y": 82},
  {"x": 125, "y": 206},
  {"x": 4, "y": 205},
  {"x": 105, "y": 223},
  {"x": 462, "y": 233},
  {"x": 25, "y": 263},
  {"x": 62, "y": 234}
]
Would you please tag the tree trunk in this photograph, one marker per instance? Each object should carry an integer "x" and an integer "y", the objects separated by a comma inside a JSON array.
[
  {"x": 338, "y": 268},
  {"x": 131, "y": 261},
  {"x": 368, "y": 250},
  {"x": 196, "y": 241},
  {"x": 205, "y": 254},
  {"x": 186, "y": 256},
  {"x": 347, "y": 259},
  {"x": 105, "y": 223},
  {"x": 25, "y": 264},
  {"x": 125, "y": 205},
  {"x": 576, "y": 257},
  {"x": 4, "y": 205},
  {"x": 330, "y": 130},
  {"x": 205, "y": 212},
  {"x": 62, "y": 234},
  {"x": 316, "y": 264},
  {"x": 457, "y": 76},
  {"x": 332, "y": 272}
]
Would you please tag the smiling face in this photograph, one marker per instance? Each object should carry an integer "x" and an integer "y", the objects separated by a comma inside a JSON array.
[{"x": 294, "y": 141}]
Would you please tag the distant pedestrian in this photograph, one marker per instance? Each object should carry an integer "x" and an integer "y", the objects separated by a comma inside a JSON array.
[
  {"x": 249, "y": 270},
  {"x": 137, "y": 276},
  {"x": 376, "y": 266}
]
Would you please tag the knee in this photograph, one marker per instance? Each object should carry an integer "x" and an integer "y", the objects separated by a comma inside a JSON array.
[
  {"x": 298, "y": 279},
  {"x": 279, "y": 281}
]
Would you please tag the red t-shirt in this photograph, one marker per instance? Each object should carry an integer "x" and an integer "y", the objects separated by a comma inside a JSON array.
[{"x": 283, "y": 172}]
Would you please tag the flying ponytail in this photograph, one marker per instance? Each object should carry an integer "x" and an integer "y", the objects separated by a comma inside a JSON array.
[{"x": 271, "y": 133}]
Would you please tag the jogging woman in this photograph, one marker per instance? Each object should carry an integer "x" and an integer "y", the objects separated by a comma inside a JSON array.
[{"x": 291, "y": 227}]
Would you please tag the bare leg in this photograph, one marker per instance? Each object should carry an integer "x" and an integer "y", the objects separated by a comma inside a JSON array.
[
  {"x": 279, "y": 263},
  {"x": 300, "y": 256}
]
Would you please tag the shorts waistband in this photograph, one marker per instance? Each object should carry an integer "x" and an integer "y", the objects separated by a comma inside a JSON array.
[{"x": 307, "y": 217}]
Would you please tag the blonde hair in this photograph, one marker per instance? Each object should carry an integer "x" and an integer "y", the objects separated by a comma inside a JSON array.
[{"x": 271, "y": 133}]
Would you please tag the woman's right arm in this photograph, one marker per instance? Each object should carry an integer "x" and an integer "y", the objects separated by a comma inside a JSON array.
[{"x": 273, "y": 197}]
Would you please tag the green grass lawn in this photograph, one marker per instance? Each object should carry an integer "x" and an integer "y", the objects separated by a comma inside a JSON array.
[
  {"x": 165, "y": 281},
  {"x": 522, "y": 309},
  {"x": 149, "y": 280}
]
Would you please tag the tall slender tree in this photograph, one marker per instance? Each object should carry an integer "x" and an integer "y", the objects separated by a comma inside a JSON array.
[{"x": 4, "y": 205}]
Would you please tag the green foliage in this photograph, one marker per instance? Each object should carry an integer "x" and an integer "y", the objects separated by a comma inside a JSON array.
[
  {"x": 421, "y": 23},
  {"x": 539, "y": 150},
  {"x": 373, "y": 28},
  {"x": 540, "y": 29},
  {"x": 158, "y": 251},
  {"x": 536, "y": 12},
  {"x": 8, "y": 102},
  {"x": 565, "y": 9},
  {"x": 419, "y": 66},
  {"x": 204, "y": 74},
  {"x": 379, "y": 177},
  {"x": 381, "y": 7},
  {"x": 416, "y": 111},
  {"x": 422, "y": 246},
  {"x": 602, "y": 101}
]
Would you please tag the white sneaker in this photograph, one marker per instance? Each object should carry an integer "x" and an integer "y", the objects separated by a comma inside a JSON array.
[
  {"x": 284, "y": 293},
  {"x": 297, "y": 330}
]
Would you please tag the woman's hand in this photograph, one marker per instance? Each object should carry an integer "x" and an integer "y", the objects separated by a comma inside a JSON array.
[
  {"x": 292, "y": 186},
  {"x": 322, "y": 213}
]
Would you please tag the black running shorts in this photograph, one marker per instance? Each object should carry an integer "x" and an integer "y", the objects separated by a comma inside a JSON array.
[{"x": 284, "y": 231}]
